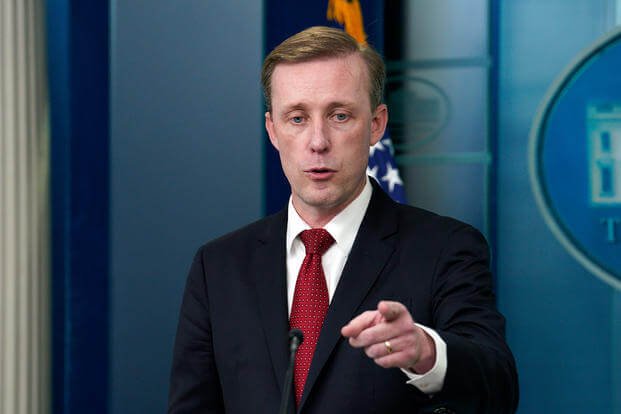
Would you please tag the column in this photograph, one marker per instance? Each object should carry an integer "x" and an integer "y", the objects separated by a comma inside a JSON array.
[{"x": 24, "y": 210}]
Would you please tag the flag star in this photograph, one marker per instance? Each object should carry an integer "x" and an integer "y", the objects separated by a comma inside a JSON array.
[
  {"x": 372, "y": 171},
  {"x": 379, "y": 146},
  {"x": 388, "y": 143},
  {"x": 392, "y": 177}
]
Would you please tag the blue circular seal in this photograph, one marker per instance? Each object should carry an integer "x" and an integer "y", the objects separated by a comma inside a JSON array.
[{"x": 575, "y": 159}]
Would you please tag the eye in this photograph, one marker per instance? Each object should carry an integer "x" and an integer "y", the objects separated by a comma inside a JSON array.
[
  {"x": 297, "y": 119},
  {"x": 341, "y": 117}
]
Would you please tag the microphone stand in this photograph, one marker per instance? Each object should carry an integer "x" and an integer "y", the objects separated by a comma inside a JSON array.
[{"x": 295, "y": 340}]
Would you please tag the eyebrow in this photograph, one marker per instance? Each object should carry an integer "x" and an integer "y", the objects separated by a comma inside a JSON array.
[
  {"x": 331, "y": 106},
  {"x": 294, "y": 107},
  {"x": 348, "y": 105}
]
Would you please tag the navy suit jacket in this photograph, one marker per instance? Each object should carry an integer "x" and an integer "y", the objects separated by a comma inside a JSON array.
[{"x": 231, "y": 348}]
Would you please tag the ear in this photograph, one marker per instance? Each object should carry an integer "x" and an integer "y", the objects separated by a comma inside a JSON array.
[
  {"x": 269, "y": 127},
  {"x": 378, "y": 123}
]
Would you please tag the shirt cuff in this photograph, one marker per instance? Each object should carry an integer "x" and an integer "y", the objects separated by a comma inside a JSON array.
[{"x": 433, "y": 380}]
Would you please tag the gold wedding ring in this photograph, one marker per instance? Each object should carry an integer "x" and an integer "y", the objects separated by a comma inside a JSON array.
[{"x": 388, "y": 346}]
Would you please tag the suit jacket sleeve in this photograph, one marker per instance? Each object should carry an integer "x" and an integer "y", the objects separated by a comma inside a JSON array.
[
  {"x": 194, "y": 383},
  {"x": 481, "y": 375}
]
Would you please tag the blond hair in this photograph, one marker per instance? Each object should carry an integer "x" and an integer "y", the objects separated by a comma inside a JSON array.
[{"x": 324, "y": 42}]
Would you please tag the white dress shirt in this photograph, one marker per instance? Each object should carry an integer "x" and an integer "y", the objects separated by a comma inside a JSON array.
[{"x": 344, "y": 228}]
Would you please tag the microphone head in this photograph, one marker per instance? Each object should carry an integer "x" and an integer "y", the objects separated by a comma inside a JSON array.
[{"x": 297, "y": 334}]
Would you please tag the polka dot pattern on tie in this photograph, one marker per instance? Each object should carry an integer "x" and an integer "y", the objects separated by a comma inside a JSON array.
[{"x": 310, "y": 302}]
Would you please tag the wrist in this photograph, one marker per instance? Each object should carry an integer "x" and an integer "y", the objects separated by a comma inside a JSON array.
[{"x": 428, "y": 356}]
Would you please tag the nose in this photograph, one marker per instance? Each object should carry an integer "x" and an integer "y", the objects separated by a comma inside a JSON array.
[{"x": 319, "y": 140}]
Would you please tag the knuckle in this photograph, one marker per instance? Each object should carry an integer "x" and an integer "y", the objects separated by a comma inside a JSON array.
[
  {"x": 368, "y": 336},
  {"x": 362, "y": 337},
  {"x": 412, "y": 357},
  {"x": 382, "y": 362},
  {"x": 411, "y": 329},
  {"x": 368, "y": 313}
]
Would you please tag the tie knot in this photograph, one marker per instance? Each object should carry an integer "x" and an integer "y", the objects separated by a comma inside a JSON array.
[{"x": 316, "y": 241}]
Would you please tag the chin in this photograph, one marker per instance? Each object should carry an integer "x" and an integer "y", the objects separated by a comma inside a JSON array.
[{"x": 318, "y": 199}]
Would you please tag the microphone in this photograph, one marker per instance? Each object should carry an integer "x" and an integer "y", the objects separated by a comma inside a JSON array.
[{"x": 295, "y": 340}]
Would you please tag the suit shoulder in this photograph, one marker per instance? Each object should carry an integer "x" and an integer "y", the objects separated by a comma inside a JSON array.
[
  {"x": 267, "y": 227},
  {"x": 420, "y": 217},
  {"x": 437, "y": 228}
]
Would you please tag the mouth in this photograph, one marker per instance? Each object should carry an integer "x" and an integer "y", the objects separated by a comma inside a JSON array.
[{"x": 320, "y": 173}]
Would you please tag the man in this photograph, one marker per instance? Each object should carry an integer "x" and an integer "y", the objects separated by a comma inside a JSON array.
[{"x": 396, "y": 304}]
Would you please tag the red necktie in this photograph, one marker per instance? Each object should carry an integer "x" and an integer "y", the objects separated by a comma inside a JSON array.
[{"x": 310, "y": 303}]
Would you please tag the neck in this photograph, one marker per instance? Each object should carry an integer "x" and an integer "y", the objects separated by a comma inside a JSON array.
[{"x": 317, "y": 219}]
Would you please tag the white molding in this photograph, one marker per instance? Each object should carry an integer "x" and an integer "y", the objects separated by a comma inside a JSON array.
[{"x": 25, "y": 386}]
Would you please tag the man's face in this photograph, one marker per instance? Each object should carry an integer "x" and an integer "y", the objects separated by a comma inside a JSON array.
[{"x": 322, "y": 126}]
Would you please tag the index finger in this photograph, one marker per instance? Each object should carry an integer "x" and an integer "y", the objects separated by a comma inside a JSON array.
[
  {"x": 391, "y": 310},
  {"x": 360, "y": 323}
]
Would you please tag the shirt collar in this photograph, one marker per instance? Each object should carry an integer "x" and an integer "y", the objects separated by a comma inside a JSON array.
[{"x": 343, "y": 227}]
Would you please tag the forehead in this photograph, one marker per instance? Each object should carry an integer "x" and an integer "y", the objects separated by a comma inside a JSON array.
[{"x": 320, "y": 81}]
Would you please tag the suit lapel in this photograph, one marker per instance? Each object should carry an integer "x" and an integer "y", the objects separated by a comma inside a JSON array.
[
  {"x": 370, "y": 253},
  {"x": 269, "y": 266}
]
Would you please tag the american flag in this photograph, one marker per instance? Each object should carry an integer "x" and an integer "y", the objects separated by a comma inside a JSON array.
[{"x": 383, "y": 168}]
